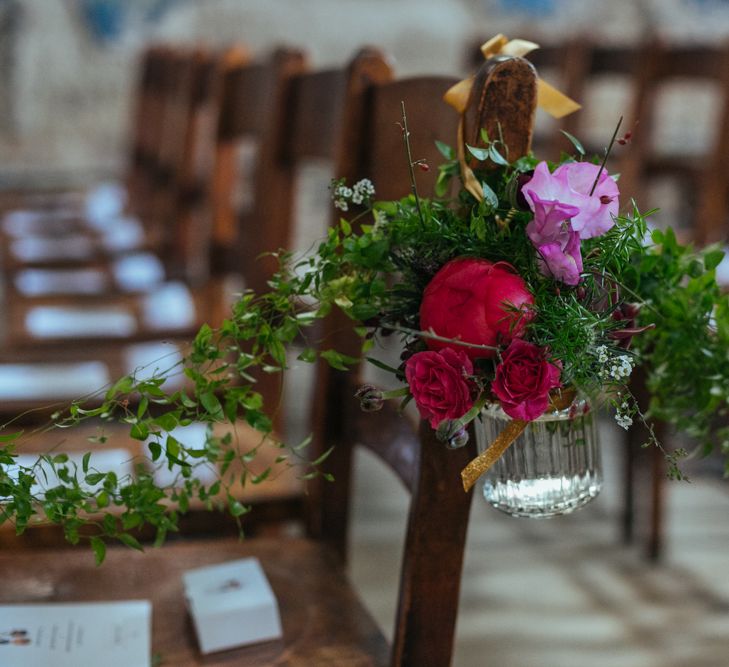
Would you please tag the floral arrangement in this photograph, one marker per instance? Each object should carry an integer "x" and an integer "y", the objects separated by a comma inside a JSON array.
[{"x": 540, "y": 286}]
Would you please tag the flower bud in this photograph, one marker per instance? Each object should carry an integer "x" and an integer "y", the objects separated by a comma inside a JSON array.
[
  {"x": 452, "y": 433},
  {"x": 370, "y": 398}
]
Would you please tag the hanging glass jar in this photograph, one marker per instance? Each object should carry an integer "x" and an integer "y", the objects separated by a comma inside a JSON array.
[{"x": 552, "y": 468}]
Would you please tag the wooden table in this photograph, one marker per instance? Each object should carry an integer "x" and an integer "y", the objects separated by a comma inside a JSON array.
[{"x": 324, "y": 624}]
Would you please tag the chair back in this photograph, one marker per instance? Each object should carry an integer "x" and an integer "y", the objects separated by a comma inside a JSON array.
[
  {"x": 439, "y": 508},
  {"x": 252, "y": 206}
]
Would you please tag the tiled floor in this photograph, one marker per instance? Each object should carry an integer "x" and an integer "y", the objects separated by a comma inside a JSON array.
[{"x": 565, "y": 592}]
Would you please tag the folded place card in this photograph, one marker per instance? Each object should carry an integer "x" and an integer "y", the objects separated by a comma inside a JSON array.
[
  {"x": 112, "y": 634},
  {"x": 231, "y": 604}
]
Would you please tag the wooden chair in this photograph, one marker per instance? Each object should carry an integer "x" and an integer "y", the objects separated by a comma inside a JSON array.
[
  {"x": 70, "y": 371},
  {"x": 323, "y": 622}
]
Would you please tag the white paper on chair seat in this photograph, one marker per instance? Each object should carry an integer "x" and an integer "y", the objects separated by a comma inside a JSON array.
[
  {"x": 41, "y": 381},
  {"x": 43, "y": 248},
  {"x": 138, "y": 272},
  {"x": 231, "y": 604},
  {"x": 21, "y": 222},
  {"x": 112, "y": 634},
  {"x": 169, "y": 307},
  {"x": 105, "y": 201},
  {"x": 68, "y": 322},
  {"x": 123, "y": 234},
  {"x": 145, "y": 360},
  {"x": 117, "y": 460},
  {"x": 36, "y": 282}
]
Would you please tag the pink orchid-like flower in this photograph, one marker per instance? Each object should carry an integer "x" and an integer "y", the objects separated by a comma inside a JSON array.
[
  {"x": 557, "y": 243},
  {"x": 571, "y": 185}
]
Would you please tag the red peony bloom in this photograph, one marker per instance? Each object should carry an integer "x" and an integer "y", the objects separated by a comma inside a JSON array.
[
  {"x": 524, "y": 379},
  {"x": 439, "y": 384},
  {"x": 475, "y": 301}
]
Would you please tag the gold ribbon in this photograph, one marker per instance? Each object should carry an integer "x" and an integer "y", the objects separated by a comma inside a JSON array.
[
  {"x": 558, "y": 401},
  {"x": 550, "y": 99}
]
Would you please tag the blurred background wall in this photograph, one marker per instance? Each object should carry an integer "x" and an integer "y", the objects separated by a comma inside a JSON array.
[{"x": 67, "y": 66}]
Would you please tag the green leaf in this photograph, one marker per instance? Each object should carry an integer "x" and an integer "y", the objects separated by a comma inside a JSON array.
[
  {"x": 155, "y": 449},
  {"x": 139, "y": 431},
  {"x": 172, "y": 445},
  {"x": 308, "y": 355},
  {"x": 712, "y": 259},
  {"x": 130, "y": 541},
  {"x": 85, "y": 462},
  {"x": 237, "y": 509},
  {"x": 60, "y": 458},
  {"x": 490, "y": 196},
  {"x": 99, "y": 548},
  {"x": 483, "y": 132},
  {"x": 445, "y": 150},
  {"x": 211, "y": 403},
  {"x": 481, "y": 154},
  {"x": 575, "y": 142},
  {"x": 497, "y": 157},
  {"x": 94, "y": 477},
  {"x": 9, "y": 437},
  {"x": 338, "y": 360},
  {"x": 167, "y": 421}
]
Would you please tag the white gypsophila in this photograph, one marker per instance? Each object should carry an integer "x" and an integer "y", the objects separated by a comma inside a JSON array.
[
  {"x": 364, "y": 188},
  {"x": 602, "y": 353},
  {"x": 621, "y": 368},
  {"x": 624, "y": 421},
  {"x": 341, "y": 204}
]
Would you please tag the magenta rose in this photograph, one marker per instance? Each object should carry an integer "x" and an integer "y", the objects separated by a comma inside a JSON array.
[
  {"x": 439, "y": 384},
  {"x": 476, "y": 301},
  {"x": 524, "y": 379}
]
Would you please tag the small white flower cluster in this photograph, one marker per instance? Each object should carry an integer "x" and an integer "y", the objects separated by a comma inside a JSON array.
[
  {"x": 360, "y": 193},
  {"x": 623, "y": 415},
  {"x": 619, "y": 368}
]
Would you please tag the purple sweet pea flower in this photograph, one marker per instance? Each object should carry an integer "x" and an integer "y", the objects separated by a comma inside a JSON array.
[
  {"x": 570, "y": 185},
  {"x": 557, "y": 243},
  {"x": 562, "y": 259},
  {"x": 597, "y": 210}
]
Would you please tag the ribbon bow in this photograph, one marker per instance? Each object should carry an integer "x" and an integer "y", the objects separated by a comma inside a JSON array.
[{"x": 550, "y": 99}]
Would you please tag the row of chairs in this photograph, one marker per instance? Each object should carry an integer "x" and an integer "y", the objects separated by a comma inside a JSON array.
[{"x": 348, "y": 118}]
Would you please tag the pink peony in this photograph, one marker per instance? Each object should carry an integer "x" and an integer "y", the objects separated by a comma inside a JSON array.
[
  {"x": 524, "y": 379},
  {"x": 475, "y": 301},
  {"x": 439, "y": 384}
]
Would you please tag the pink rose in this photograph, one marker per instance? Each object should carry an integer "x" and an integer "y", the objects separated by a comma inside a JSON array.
[
  {"x": 524, "y": 379},
  {"x": 570, "y": 185},
  {"x": 439, "y": 384},
  {"x": 476, "y": 301}
]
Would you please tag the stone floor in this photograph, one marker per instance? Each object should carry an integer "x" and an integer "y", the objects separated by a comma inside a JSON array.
[{"x": 565, "y": 592}]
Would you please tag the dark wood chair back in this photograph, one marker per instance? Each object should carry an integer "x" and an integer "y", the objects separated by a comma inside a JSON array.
[
  {"x": 252, "y": 210},
  {"x": 439, "y": 509}
]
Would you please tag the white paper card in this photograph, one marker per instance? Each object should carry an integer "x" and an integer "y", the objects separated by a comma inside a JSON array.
[
  {"x": 112, "y": 634},
  {"x": 20, "y": 382},
  {"x": 231, "y": 604},
  {"x": 72, "y": 322}
]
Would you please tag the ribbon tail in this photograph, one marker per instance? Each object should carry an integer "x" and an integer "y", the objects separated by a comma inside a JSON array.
[
  {"x": 554, "y": 102},
  {"x": 457, "y": 95},
  {"x": 487, "y": 458}
]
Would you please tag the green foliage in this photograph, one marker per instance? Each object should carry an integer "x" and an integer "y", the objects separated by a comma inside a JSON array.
[{"x": 374, "y": 268}]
